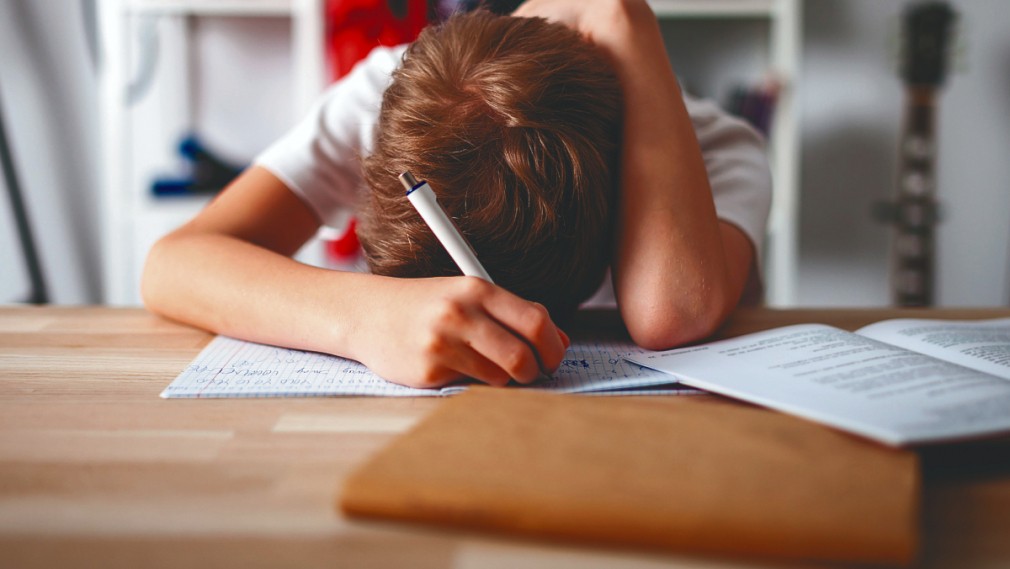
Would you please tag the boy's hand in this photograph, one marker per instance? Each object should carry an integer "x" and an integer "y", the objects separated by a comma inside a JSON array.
[
  {"x": 607, "y": 23},
  {"x": 431, "y": 332}
]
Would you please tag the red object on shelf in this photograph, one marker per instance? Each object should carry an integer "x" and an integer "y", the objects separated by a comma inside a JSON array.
[{"x": 353, "y": 28}]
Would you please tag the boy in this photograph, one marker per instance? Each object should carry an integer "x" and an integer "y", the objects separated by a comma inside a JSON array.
[{"x": 678, "y": 267}]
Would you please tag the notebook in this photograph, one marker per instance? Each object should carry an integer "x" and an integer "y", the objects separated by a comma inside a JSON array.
[
  {"x": 234, "y": 368},
  {"x": 688, "y": 474}
]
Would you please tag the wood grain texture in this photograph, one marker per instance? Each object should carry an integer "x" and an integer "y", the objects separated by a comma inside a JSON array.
[{"x": 97, "y": 471}]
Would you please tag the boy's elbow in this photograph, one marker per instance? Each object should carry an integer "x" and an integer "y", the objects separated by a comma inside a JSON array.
[
  {"x": 660, "y": 326},
  {"x": 153, "y": 277}
]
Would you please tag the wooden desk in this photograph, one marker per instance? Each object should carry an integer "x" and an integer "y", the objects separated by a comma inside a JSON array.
[{"x": 96, "y": 470}]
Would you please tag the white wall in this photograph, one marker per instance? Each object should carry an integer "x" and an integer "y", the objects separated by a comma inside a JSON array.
[
  {"x": 49, "y": 103},
  {"x": 975, "y": 163},
  {"x": 852, "y": 106}
]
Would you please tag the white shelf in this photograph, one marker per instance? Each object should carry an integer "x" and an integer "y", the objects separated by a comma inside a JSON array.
[
  {"x": 212, "y": 7},
  {"x": 714, "y": 8},
  {"x": 133, "y": 220},
  {"x": 663, "y": 8}
]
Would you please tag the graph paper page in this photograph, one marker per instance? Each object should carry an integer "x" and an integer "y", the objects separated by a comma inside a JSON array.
[{"x": 234, "y": 368}]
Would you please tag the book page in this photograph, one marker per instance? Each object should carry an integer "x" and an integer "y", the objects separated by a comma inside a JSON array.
[
  {"x": 979, "y": 344},
  {"x": 234, "y": 368},
  {"x": 848, "y": 381}
]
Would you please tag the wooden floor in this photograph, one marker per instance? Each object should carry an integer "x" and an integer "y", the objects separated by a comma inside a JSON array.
[{"x": 97, "y": 471}]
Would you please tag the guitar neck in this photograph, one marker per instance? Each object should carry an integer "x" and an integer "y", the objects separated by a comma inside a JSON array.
[
  {"x": 916, "y": 207},
  {"x": 927, "y": 30}
]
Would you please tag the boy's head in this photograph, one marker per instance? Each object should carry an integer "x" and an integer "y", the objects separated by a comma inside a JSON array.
[{"x": 515, "y": 123}]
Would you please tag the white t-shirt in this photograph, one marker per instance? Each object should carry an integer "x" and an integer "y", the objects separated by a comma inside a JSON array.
[{"x": 319, "y": 159}]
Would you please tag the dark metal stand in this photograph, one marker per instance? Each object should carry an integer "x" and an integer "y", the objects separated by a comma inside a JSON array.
[{"x": 38, "y": 293}]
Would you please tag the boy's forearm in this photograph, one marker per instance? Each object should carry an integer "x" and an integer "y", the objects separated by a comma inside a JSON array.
[
  {"x": 671, "y": 276},
  {"x": 418, "y": 332},
  {"x": 229, "y": 286}
]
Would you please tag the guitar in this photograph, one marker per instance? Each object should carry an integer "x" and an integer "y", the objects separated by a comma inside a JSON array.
[{"x": 914, "y": 213}]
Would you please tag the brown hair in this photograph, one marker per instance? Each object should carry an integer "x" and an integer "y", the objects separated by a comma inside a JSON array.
[{"x": 515, "y": 124}]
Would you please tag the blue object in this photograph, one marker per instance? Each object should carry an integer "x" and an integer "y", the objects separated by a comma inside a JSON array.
[{"x": 208, "y": 173}]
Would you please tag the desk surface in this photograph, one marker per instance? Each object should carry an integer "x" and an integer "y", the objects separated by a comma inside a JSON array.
[{"x": 96, "y": 470}]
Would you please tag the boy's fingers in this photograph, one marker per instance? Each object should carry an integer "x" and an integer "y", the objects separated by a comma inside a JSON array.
[
  {"x": 565, "y": 339},
  {"x": 531, "y": 321},
  {"x": 471, "y": 363},
  {"x": 499, "y": 345}
]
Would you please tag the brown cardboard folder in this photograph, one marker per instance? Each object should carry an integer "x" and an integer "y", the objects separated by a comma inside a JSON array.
[{"x": 684, "y": 474}]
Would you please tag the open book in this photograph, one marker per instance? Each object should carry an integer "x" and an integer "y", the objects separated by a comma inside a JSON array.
[
  {"x": 900, "y": 382},
  {"x": 234, "y": 368}
]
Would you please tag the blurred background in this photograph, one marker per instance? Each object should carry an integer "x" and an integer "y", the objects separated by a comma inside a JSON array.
[{"x": 121, "y": 118}]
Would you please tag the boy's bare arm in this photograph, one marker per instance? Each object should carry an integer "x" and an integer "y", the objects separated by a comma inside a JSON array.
[
  {"x": 229, "y": 271},
  {"x": 678, "y": 270}
]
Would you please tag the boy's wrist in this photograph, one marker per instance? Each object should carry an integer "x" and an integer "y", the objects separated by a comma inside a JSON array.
[{"x": 359, "y": 299}]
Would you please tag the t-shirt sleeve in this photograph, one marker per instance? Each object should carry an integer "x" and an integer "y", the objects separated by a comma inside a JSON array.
[
  {"x": 319, "y": 159},
  {"x": 738, "y": 170}
]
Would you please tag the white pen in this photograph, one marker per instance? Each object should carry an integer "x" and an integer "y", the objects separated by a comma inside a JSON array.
[{"x": 423, "y": 197}]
